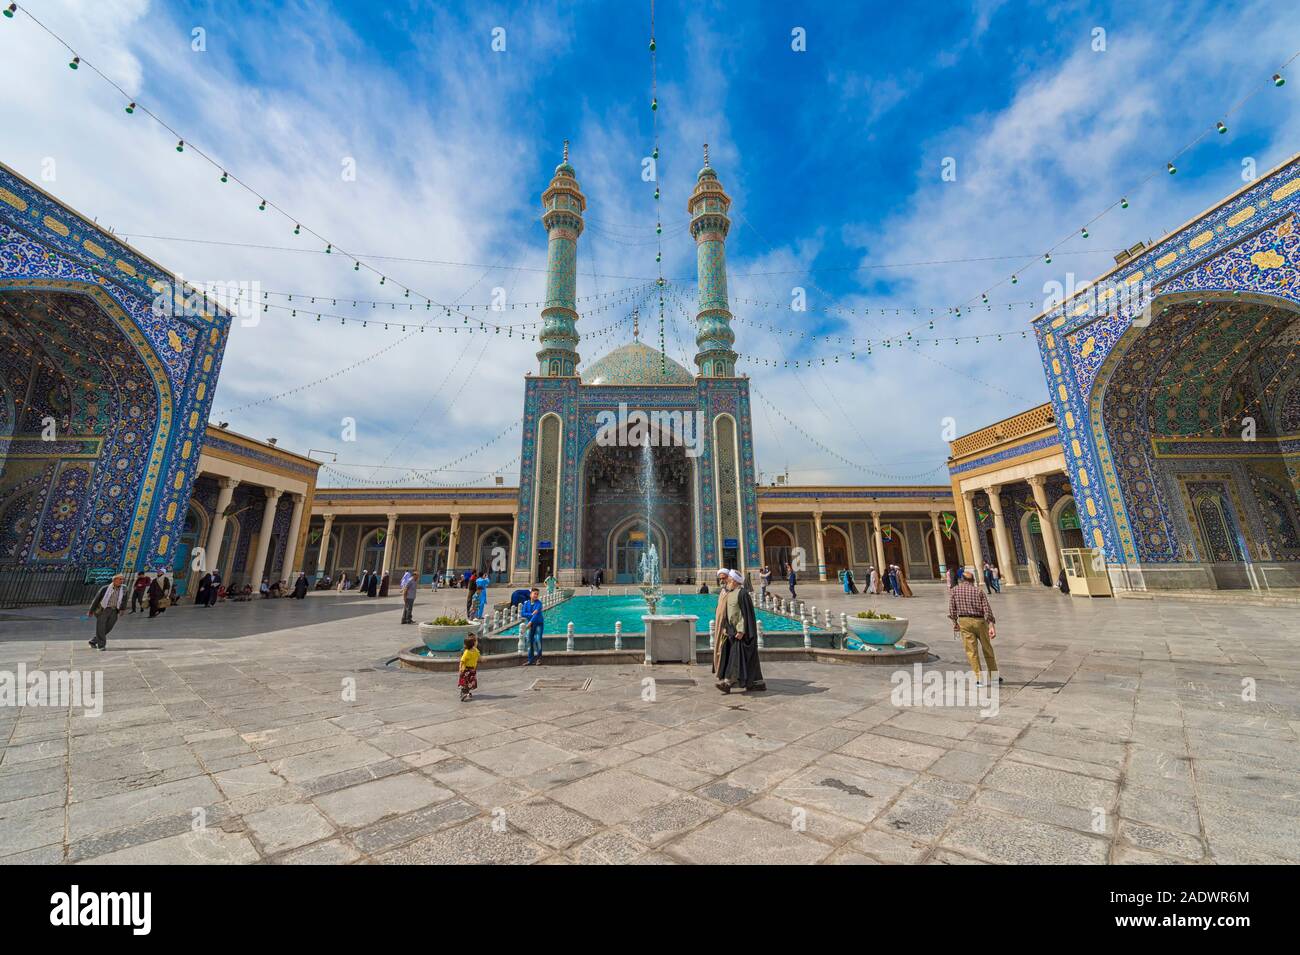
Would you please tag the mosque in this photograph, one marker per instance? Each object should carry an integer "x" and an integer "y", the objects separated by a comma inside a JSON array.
[{"x": 1168, "y": 449}]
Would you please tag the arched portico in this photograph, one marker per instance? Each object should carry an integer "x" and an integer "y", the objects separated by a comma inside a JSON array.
[
  {"x": 107, "y": 393},
  {"x": 1170, "y": 382}
]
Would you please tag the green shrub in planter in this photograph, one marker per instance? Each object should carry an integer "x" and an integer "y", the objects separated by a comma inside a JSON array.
[{"x": 445, "y": 634}]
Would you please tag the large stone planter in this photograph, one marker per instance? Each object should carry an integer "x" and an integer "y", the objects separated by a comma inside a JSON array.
[
  {"x": 445, "y": 639},
  {"x": 876, "y": 633}
]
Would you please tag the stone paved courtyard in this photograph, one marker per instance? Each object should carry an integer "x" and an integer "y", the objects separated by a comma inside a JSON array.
[{"x": 1122, "y": 737}]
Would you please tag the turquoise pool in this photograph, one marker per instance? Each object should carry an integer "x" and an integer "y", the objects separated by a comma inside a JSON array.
[{"x": 599, "y": 614}]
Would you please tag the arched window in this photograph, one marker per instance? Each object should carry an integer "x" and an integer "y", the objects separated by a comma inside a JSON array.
[
  {"x": 433, "y": 554},
  {"x": 1218, "y": 530},
  {"x": 494, "y": 554},
  {"x": 372, "y": 555}
]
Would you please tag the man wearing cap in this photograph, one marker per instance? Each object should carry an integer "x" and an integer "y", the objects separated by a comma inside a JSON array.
[
  {"x": 720, "y": 618},
  {"x": 108, "y": 603},
  {"x": 739, "y": 664},
  {"x": 972, "y": 617}
]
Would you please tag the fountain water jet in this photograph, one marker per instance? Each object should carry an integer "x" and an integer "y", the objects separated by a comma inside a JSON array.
[{"x": 648, "y": 565}]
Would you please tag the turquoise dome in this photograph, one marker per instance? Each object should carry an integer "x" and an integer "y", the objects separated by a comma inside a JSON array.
[{"x": 636, "y": 364}]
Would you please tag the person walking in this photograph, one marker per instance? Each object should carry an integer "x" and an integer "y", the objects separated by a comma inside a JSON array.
[
  {"x": 383, "y": 585},
  {"x": 201, "y": 593},
  {"x": 467, "y": 679},
  {"x": 988, "y": 578},
  {"x": 765, "y": 579},
  {"x": 739, "y": 664},
  {"x": 481, "y": 586},
  {"x": 300, "y": 587},
  {"x": 997, "y": 578},
  {"x": 530, "y": 613},
  {"x": 214, "y": 589},
  {"x": 972, "y": 617},
  {"x": 138, "y": 591},
  {"x": 469, "y": 595},
  {"x": 900, "y": 578},
  {"x": 410, "y": 584},
  {"x": 157, "y": 593},
  {"x": 792, "y": 580},
  {"x": 108, "y": 603},
  {"x": 372, "y": 584},
  {"x": 720, "y": 618}
]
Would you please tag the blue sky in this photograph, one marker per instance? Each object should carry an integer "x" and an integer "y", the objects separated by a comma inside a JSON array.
[{"x": 833, "y": 157}]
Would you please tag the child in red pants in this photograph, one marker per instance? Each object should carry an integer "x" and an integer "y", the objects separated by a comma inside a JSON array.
[{"x": 468, "y": 681}]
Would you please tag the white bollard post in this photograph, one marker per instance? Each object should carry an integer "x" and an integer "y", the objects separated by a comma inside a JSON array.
[
  {"x": 760, "y": 636},
  {"x": 807, "y": 637},
  {"x": 618, "y": 634},
  {"x": 814, "y": 613},
  {"x": 828, "y": 618},
  {"x": 523, "y": 648},
  {"x": 568, "y": 642},
  {"x": 844, "y": 629}
]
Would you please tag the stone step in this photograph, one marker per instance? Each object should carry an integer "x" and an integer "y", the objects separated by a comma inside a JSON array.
[{"x": 1238, "y": 597}]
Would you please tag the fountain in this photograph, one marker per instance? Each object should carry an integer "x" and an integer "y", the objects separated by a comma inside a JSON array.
[
  {"x": 648, "y": 568},
  {"x": 668, "y": 637},
  {"x": 648, "y": 565}
]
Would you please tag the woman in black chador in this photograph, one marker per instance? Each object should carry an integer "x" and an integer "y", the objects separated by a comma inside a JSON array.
[{"x": 739, "y": 665}]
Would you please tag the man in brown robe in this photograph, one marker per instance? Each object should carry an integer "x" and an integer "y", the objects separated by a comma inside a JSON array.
[{"x": 720, "y": 618}]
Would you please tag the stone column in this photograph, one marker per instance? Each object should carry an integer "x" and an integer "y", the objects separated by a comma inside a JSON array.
[
  {"x": 452, "y": 542},
  {"x": 388, "y": 544},
  {"x": 510, "y": 550},
  {"x": 972, "y": 540},
  {"x": 264, "y": 536},
  {"x": 1001, "y": 538},
  {"x": 880, "y": 543},
  {"x": 821, "y": 546},
  {"x": 324, "y": 545},
  {"x": 212, "y": 553},
  {"x": 1038, "y": 485},
  {"x": 938, "y": 542},
  {"x": 291, "y": 547}
]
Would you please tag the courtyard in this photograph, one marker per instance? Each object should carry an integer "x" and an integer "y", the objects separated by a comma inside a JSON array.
[{"x": 1128, "y": 731}]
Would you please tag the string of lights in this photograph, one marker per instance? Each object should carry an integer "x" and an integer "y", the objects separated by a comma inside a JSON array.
[
  {"x": 612, "y": 299},
  {"x": 835, "y": 454},
  {"x": 659, "y": 216},
  {"x": 680, "y": 305},
  {"x": 1220, "y": 127},
  {"x": 481, "y": 476},
  {"x": 133, "y": 107}
]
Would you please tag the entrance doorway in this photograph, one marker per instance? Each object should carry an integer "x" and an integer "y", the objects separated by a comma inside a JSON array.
[
  {"x": 836, "y": 548},
  {"x": 545, "y": 565},
  {"x": 892, "y": 539},
  {"x": 777, "y": 546},
  {"x": 950, "y": 559}
]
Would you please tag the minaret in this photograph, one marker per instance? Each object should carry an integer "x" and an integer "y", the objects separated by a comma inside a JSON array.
[
  {"x": 562, "y": 207},
  {"x": 708, "y": 207}
]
